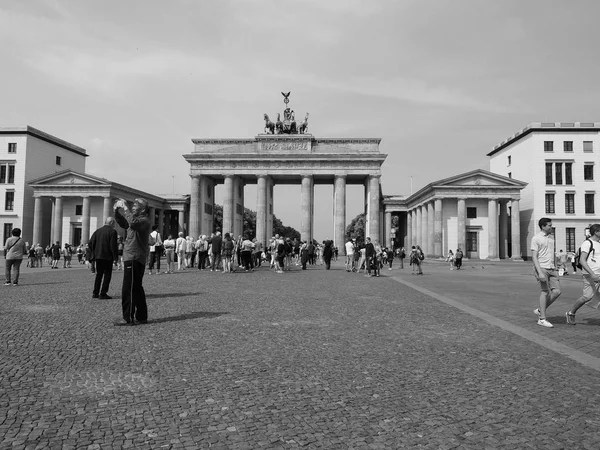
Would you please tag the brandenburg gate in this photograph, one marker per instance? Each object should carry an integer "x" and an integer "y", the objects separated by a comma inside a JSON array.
[{"x": 285, "y": 154}]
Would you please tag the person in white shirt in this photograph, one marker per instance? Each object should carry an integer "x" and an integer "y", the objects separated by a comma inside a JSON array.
[
  {"x": 542, "y": 248},
  {"x": 155, "y": 250},
  {"x": 590, "y": 265},
  {"x": 349, "y": 255},
  {"x": 180, "y": 248}
]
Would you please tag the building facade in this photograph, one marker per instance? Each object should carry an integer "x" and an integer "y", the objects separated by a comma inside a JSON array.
[
  {"x": 560, "y": 163},
  {"x": 27, "y": 153}
]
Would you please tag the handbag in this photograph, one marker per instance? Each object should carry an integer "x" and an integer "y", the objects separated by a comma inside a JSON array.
[{"x": 6, "y": 249}]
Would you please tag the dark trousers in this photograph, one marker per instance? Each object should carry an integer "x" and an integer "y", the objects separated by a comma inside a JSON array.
[
  {"x": 103, "y": 276},
  {"x": 202, "y": 260},
  {"x": 247, "y": 260},
  {"x": 304, "y": 259},
  {"x": 154, "y": 258},
  {"x": 216, "y": 261},
  {"x": 328, "y": 263},
  {"x": 133, "y": 295}
]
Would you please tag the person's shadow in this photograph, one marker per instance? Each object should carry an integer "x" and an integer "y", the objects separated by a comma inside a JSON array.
[{"x": 186, "y": 316}]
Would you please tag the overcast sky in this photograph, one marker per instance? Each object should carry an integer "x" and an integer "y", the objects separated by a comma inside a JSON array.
[{"x": 441, "y": 82}]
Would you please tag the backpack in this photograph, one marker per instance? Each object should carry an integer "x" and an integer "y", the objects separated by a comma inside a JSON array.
[
  {"x": 151, "y": 240},
  {"x": 578, "y": 256},
  {"x": 421, "y": 255}
]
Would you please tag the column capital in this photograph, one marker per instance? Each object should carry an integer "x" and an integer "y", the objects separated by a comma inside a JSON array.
[
  {"x": 493, "y": 198},
  {"x": 306, "y": 175},
  {"x": 378, "y": 175},
  {"x": 344, "y": 176}
]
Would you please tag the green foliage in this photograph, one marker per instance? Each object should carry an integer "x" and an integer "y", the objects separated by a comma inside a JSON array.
[
  {"x": 356, "y": 228},
  {"x": 250, "y": 224}
]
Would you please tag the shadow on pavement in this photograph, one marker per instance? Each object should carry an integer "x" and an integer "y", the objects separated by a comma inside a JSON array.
[{"x": 188, "y": 316}]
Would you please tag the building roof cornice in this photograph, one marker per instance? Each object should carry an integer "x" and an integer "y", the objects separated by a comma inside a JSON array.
[{"x": 44, "y": 137}]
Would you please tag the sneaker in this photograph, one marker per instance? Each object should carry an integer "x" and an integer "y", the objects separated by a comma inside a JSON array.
[
  {"x": 544, "y": 323},
  {"x": 570, "y": 318},
  {"x": 15, "y": 284},
  {"x": 536, "y": 311}
]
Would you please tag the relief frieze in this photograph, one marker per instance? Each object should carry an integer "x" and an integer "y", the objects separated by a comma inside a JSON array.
[{"x": 284, "y": 146}]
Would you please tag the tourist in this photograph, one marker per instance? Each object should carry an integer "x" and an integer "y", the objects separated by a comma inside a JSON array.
[
  {"x": 256, "y": 256},
  {"x": 30, "y": 255},
  {"x": 14, "y": 251},
  {"x": 169, "y": 245},
  {"x": 349, "y": 255},
  {"x": 135, "y": 254},
  {"x": 281, "y": 255},
  {"x": 450, "y": 259},
  {"x": 401, "y": 256},
  {"x": 55, "y": 254},
  {"x": 458, "y": 257},
  {"x": 415, "y": 259},
  {"x": 246, "y": 252},
  {"x": 120, "y": 248},
  {"x": 155, "y": 250},
  {"x": 180, "y": 248},
  {"x": 39, "y": 255},
  {"x": 67, "y": 256},
  {"x": 104, "y": 249},
  {"x": 542, "y": 249},
  {"x": 590, "y": 266},
  {"x": 202, "y": 249},
  {"x": 389, "y": 254},
  {"x": 561, "y": 263},
  {"x": 228, "y": 253},
  {"x": 369, "y": 256},
  {"x": 189, "y": 249},
  {"x": 215, "y": 248},
  {"x": 327, "y": 253},
  {"x": 304, "y": 254}
]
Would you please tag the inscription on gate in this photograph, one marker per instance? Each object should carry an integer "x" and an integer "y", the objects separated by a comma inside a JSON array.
[{"x": 285, "y": 146}]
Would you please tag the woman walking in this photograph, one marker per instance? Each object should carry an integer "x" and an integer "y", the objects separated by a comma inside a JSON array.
[
  {"x": 14, "y": 250},
  {"x": 169, "y": 245}
]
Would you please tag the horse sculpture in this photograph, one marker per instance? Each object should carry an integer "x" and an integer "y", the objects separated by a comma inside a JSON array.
[
  {"x": 303, "y": 126},
  {"x": 279, "y": 124},
  {"x": 269, "y": 126}
]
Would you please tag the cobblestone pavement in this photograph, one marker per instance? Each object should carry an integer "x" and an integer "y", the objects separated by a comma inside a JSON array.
[{"x": 305, "y": 359}]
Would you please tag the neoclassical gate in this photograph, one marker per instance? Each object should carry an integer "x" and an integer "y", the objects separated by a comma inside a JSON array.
[{"x": 271, "y": 159}]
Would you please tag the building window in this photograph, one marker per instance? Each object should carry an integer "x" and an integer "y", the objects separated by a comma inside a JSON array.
[
  {"x": 3, "y": 173},
  {"x": 472, "y": 241},
  {"x": 549, "y": 203},
  {"x": 588, "y": 146},
  {"x": 568, "y": 146},
  {"x": 571, "y": 245},
  {"x": 570, "y": 203},
  {"x": 12, "y": 148},
  {"x": 588, "y": 172},
  {"x": 568, "y": 173},
  {"x": 58, "y": 160},
  {"x": 548, "y": 173},
  {"x": 8, "y": 227},
  {"x": 548, "y": 146},
  {"x": 11, "y": 173},
  {"x": 471, "y": 213},
  {"x": 589, "y": 204},
  {"x": 558, "y": 172},
  {"x": 9, "y": 201},
  {"x": 78, "y": 210},
  {"x": 509, "y": 160}
]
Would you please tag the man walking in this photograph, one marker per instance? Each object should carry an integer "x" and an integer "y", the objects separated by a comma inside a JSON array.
[
  {"x": 216, "y": 243},
  {"x": 103, "y": 245},
  {"x": 590, "y": 265},
  {"x": 135, "y": 254},
  {"x": 542, "y": 249}
]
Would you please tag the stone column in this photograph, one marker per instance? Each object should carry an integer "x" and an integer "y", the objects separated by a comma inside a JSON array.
[
  {"x": 415, "y": 226},
  {"x": 339, "y": 212},
  {"x": 58, "y": 217},
  {"x": 52, "y": 221},
  {"x": 85, "y": 221},
  {"x": 503, "y": 230},
  {"x": 270, "y": 208},
  {"x": 437, "y": 229},
  {"x": 152, "y": 215},
  {"x": 228, "y": 206},
  {"x": 261, "y": 209},
  {"x": 387, "y": 236},
  {"x": 374, "y": 208},
  {"x": 430, "y": 232},
  {"x": 418, "y": 240},
  {"x": 461, "y": 228},
  {"x": 515, "y": 222},
  {"x": 194, "y": 209},
  {"x": 492, "y": 228},
  {"x": 161, "y": 223},
  {"x": 107, "y": 210},
  {"x": 38, "y": 210},
  {"x": 181, "y": 221},
  {"x": 424, "y": 231},
  {"x": 306, "y": 208},
  {"x": 409, "y": 229}
]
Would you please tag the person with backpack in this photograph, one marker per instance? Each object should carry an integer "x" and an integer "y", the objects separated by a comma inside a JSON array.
[
  {"x": 542, "y": 249},
  {"x": 590, "y": 266}
]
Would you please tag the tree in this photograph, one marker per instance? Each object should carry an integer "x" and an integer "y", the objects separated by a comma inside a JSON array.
[
  {"x": 356, "y": 228},
  {"x": 249, "y": 226}
]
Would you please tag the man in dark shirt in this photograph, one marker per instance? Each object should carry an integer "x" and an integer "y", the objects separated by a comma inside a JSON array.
[
  {"x": 103, "y": 246},
  {"x": 216, "y": 242},
  {"x": 135, "y": 254},
  {"x": 369, "y": 255}
]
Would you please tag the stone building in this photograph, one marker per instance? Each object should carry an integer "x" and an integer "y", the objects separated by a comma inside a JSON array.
[{"x": 558, "y": 161}]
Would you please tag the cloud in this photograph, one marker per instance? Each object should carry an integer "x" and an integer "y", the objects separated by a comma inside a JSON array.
[{"x": 112, "y": 73}]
